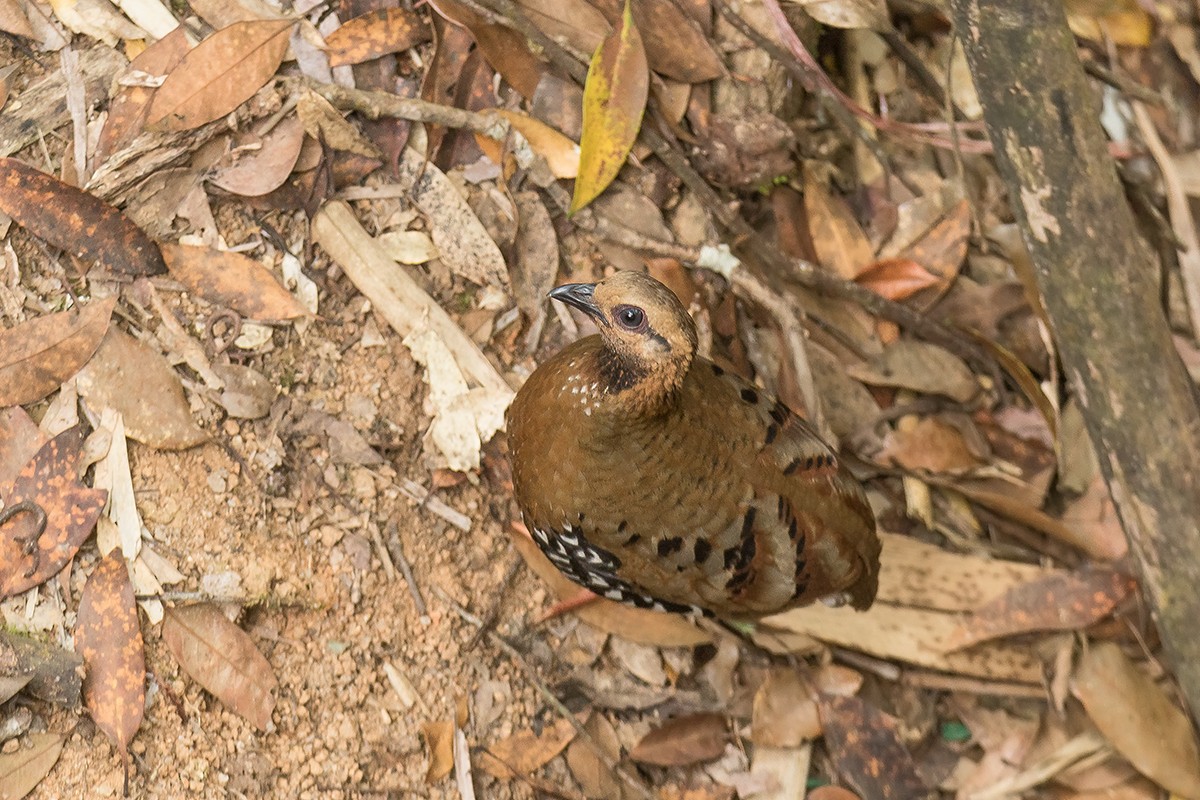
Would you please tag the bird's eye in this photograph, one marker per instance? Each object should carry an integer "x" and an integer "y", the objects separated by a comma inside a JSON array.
[{"x": 630, "y": 317}]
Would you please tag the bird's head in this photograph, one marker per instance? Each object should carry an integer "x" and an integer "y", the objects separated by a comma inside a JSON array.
[{"x": 649, "y": 339}]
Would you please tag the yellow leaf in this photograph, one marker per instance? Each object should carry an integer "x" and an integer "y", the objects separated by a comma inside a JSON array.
[{"x": 614, "y": 99}]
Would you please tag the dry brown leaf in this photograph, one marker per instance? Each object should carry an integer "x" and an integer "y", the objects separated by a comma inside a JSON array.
[
  {"x": 942, "y": 249},
  {"x": 595, "y": 777},
  {"x": 14, "y": 21},
  {"x": 921, "y": 367},
  {"x": 38, "y": 355},
  {"x": 20, "y": 439},
  {"x": 525, "y": 752},
  {"x": 684, "y": 740},
  {"x": 505, "y": 50},
  {"x": 79, "y": 223},
  {"x": 931, "y": 445},
  {"x": 21, "y": 771},
  {"x": 896, "y": 278},
  {"x": 55, "y": 674},
  {"x": 49, "y": 483},
  {"x": 439, "y": 738},
  {"x": 128, "y": 376},
  {"x": 866, "y": 746},
  {"x": 127, "y": 111},
  {"x": 387, "y": 30},
  {"x": 634, "y": 624},
  {"x": 108, "y": 636},
  {"x": 576, "y": 22},
  {"x": 222, "y": 658},
  {"x": 1136, "y": 716},
  {"x": 219, "y": 74},
  {"x": 676, "y": 47},
  {"x": 841, "y": 244},
  {"x": 614, "y": 99},
  {"x": 1061, "y": 601},
  {"x": 561, "y": 154},
  {"x": 259, "y": 165},
  {"x": 784, "y": 712},
  {"x": 232, "y": 279},
  {"x": 1094, "y": 515}
]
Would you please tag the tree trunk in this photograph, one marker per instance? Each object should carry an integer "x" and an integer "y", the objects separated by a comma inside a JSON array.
[{"x": 1099, "y": 284}]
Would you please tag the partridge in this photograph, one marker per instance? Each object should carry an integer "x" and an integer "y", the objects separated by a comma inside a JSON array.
[{"x": 652, "y": 476}]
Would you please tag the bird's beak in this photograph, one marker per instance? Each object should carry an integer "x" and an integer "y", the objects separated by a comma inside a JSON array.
[{"x": 580, "y": 295}]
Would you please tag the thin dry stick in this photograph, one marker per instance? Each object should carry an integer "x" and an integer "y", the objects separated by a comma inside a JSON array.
[
  {"x": 500, "y": 642},
  {"x": 397, "y": 552}
]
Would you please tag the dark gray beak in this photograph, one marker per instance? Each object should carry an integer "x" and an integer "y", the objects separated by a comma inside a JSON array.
[{"x": 580, "y": 295}]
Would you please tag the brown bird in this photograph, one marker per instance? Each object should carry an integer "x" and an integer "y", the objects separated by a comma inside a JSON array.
[{"x": 652, "y": 476}]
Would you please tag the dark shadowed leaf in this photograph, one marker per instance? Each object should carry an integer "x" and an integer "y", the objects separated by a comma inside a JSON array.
[
  {"x": 233, "y": 280},
  {"x": 130, "y": 377},
  {"x": 38, "y": 355},
  {"x": 55, "y": 674},
  {"x": 23, "y": 770},
  {"x": 219, "y": 74},
  {"x": 48, "y": 482},
  {"x": 388, "y": 30},
  {"x": 689, "y": 739},
  {"x": 220, "y": 657},
  {"x": 75, "y": 221},
  {"x": 614, "y": 99},
  {"x": 867, "y": 750},
  {"x": 109, "y": 638}
]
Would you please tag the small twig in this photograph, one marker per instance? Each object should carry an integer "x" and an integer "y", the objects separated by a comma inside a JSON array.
[
  {"x": 503, "y": 644},
  {"x": 397, "y": 552},
  {"x": 384, "y": 555},
  {"x": 962, "y": 683}
]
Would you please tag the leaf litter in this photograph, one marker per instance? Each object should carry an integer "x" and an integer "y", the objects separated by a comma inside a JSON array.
[{"x": 322, "y": 426}]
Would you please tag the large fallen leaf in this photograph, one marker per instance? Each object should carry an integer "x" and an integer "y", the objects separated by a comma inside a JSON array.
[
  {"x": 463, "y": 243},
  {"x": 38, "y": 355},
  {"x": 923, "y": 591},
  {"x": 128, "y": 376},
  {"x": 108, "y": 636},
  {"x": 593, "y": 772},
  {"x": 525, "y": 751},
  {"x": 219, "y": 74},
  {"x": 684, "y": 740},
  {"x": 75, "y": 221},
  {"x": 921, "y": 367},
  {"x": 50, "y": 483},
  {"x": 232, "y": 279},
  {"x": 866, "y": 748},
  {"x": 1136, "y": 716},
  {"x": 387, "y": 30},
  {"x": 505, "y": 50},
  {"x": 841, "y": 245},
  {"x": 1060, "y": 601},
  {"x": 260, "y": 164},
  {"x": 850, "y": 14},
  {"x": 614, "y": 99},
  {"x": 220, "y": 657},
  {"x": 21, "y": 771}
]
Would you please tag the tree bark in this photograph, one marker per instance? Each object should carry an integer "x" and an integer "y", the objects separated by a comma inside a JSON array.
[{"x": 1099, "y": 283}]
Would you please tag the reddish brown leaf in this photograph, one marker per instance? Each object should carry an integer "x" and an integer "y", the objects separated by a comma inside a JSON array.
[
  {"x": 675, "y": 45},
  {"x": 505, "y": 50},
  {"x": 262, "y": 163},
  {"x": 38, "y": 355},
  {"x": 22, "y": 770},
  {"x": 867, "y": 751},
  {"x": 831, "y": 793},
  {"x": 219, "y": 74},
  {"x": 232, "y": 279},
  {"x": 689, "y": 739},
  {"x": 220, "y": 657},
  {"x": 614, "y": 99},
  {"x": 49, "y": 482},
  {"x": 127, "y": 375},
  {"x": 127, "y": 111},
  {"x": 930, "y": 444},
  {"x": 109, "y": 638},
  {"x": 75, "y": 221},
  {"x": 1061, "y": 601},
  {"x": 896, "y": 278},
  {"x": 20, "y": 439},
  {"x": 943, "y": 248},
  {"x": 388, "y": 30}
]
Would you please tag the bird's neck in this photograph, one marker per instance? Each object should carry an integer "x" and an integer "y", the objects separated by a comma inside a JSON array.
[{"x": 633, "y": 388}]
